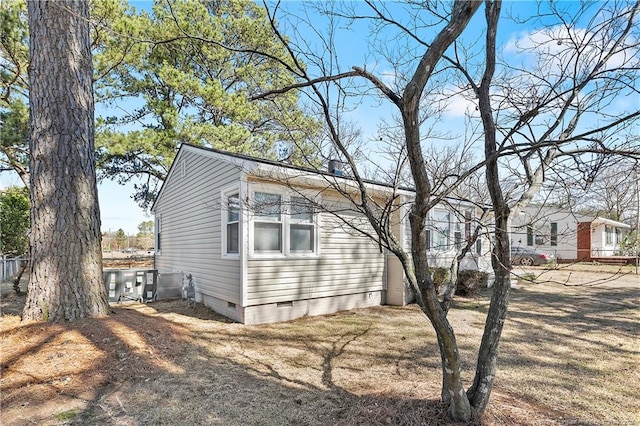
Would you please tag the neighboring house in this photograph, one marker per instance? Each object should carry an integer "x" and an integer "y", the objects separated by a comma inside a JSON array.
[
  {"x": 568, "y": 236},
  {"x": 600, "y": 238},
  {"x": 260, "y": 249}
]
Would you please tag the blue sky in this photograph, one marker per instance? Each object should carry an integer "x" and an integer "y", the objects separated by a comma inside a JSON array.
[{"x": 120, "y": 211}]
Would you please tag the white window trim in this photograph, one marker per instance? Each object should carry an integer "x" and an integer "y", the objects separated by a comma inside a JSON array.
[
  {"x": 609, "y": 237},
  {"x": 450, "y": 245},
  {"x": 286, "y": 194},
  {"x": 224, "y": 199}
]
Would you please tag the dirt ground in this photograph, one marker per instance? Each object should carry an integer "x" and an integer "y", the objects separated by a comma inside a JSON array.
[
  {"x": 570, "y": 355},
  {"x": 128, "y": 262}
]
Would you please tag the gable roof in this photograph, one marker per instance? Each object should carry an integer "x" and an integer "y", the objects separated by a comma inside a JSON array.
[{"x": 252, "y": 164}]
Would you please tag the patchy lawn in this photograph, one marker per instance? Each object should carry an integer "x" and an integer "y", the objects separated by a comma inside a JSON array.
[{"x": 569, "y": 355}]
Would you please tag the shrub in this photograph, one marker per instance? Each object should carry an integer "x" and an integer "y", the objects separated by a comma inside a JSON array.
[
  {"x": 469, "y": 282},
  {"x": 440, "y": 276}
]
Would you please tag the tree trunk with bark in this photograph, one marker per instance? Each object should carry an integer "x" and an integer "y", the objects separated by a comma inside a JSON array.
[
  {"x": 65, "y": 279},
  {"x": 409, "y": 105},
  {"x": 480, "y": 390}
]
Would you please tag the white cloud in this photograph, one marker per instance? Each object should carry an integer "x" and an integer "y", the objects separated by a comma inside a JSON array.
[
  {"x": 458, "y": 106},
  {"x": 559, "y": 48}
]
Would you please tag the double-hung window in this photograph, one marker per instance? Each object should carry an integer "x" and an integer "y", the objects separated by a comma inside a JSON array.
[
  {"x": 233, "y": 223},
  {"x": 442, "y": 234},
  {"x": 608, "y": 233},
  {"x": 282, "y": 223},
  {"x": 457, "y": 233},
  {"x": 267, "y": 223},
  {"x": 231, "y": 215},
  {"x": 301, "y": 226}
]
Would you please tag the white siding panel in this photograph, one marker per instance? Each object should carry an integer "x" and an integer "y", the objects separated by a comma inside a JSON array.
[
  {"x": 275, "y": 312},
  {"x": 349, "y": 264},
  {"x": 191, "y": 237}
]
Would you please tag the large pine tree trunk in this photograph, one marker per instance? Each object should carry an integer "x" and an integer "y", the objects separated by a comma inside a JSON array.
[{"x": 65, "y": 280}]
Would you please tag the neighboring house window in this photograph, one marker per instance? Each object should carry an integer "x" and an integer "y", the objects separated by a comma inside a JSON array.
[
  {"x": 230, "y": 215},
  {"x": 554, "y": 233},
  {"x": 457, "y": 235},
  {"x": 479, "y": 246},
  {"x": 282, "y": 224},
  {"x": 442, "y": 230},
  {"x": 158, "y": 229},
  {"x": 608, "y": 235},
  {"x": 530, "y": 235}
]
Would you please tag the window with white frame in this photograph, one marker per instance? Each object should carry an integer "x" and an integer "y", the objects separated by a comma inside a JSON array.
[
  {"x": 441, "y": 221},
  {"x": 233, "y": 223},
  {"x": 230, "y": 223},
  {"x": 282, "y": 223},
  {"x": 267, "y": 223},
  {"x": 301, "y": 226},
  {"x": 608, "y": 232}
]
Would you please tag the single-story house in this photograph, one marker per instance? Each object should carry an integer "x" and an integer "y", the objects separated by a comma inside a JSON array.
[
  {"x": 568, "y": 236},
  {"x": 264, "y": 241},
  {"x": 600, "y": 238}
]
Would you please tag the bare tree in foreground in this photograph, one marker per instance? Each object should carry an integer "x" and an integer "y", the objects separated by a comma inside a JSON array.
[
  {"x": 555, "y": 112},
  {"x": 555, "y": 115},
  {"x": 65, "y": 281}
]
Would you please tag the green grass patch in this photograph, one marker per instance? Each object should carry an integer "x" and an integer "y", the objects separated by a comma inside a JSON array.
[{"x": 66, "y": 416}]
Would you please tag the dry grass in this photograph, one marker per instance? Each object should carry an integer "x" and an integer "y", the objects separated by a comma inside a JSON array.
[{"x": 569, "y": 355}]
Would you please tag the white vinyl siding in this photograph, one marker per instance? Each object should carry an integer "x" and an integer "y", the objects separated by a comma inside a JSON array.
[
  {"x": 548, "y": 229},
  {"x": 190, "y": 212},
  {"x": 349, "y": 264}
]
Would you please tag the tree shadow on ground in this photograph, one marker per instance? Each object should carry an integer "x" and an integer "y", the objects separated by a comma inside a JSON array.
[
  {"x": 573, "y": 342},
  {"x": 140, "y": 366}
]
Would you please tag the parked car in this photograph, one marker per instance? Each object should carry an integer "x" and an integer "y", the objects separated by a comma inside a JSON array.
[{"x": 528, "y": 257}]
